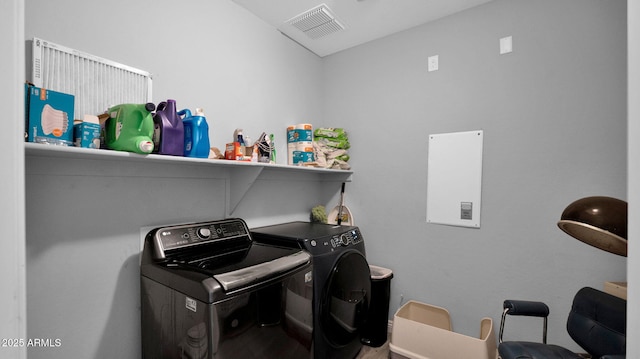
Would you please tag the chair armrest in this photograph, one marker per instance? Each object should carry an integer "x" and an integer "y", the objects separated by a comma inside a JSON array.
[{"x": 526, "y": 308}]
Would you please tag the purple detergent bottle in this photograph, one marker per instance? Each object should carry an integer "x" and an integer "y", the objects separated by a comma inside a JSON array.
[
  {"x": 196, "y": 134},
  {"x": 168, "y": 135}
]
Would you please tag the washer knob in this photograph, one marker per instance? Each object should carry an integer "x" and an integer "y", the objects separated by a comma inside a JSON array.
[
  {"x": 344, "y": 240},
  {"x": 203, "y": 233}
]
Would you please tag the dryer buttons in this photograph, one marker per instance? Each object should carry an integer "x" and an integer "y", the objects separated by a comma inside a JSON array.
[
  {"x": 345, "y": 239},
  {"x": 342, "y": 240}
]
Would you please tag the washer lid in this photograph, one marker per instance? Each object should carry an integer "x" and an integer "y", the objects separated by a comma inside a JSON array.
[
  {"x": 208, "y": 260},
  {"x": 256, "y": 273}
]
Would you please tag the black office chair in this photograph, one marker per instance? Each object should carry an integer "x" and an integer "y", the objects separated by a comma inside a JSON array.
[{"x": 597, "y": 322}]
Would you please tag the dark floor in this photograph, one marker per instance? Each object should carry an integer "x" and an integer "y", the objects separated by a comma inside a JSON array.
[{"x": 374, "y": 353}]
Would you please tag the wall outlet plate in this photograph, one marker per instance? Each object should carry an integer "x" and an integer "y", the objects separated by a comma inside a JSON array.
[{"x": 432, "y": 62}]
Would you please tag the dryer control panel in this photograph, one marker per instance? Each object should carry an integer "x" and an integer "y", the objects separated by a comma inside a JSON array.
[
  {"x": 345, "y": 239},
  {"x": 317, "y": 238},
  {"x": 334, "y": 242}
]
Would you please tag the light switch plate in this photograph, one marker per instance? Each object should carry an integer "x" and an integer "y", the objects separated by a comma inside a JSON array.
[{"x": 506, "y": 45}]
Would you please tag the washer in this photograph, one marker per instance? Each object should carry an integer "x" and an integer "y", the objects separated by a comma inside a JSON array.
[
  {"x": 208, "y": 291},
  {"x": 341, "y": 282}
]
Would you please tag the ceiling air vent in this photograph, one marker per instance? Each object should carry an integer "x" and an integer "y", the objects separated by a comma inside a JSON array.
[{"x": 317, "y": 22}]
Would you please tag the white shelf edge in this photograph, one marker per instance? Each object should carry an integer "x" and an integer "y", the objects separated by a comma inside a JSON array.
[
  {"x": 241, "y": 174},
  {"x": 35, "y": 149}
]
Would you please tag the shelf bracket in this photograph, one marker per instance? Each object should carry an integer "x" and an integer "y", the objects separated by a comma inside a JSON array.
[{"x": 238, "y": 184}]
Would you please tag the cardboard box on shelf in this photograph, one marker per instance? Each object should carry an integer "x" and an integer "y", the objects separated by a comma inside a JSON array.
[
  {"x": 236, "y": 152},
  {"x": 49, "y": 116},
  {"x": 87, "y": 133}
]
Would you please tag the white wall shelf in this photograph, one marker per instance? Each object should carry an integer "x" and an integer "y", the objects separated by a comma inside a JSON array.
[{"x": 239, "y": 176}]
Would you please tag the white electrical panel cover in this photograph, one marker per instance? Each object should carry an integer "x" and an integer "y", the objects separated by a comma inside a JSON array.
[{"x": 454, "y": 178}]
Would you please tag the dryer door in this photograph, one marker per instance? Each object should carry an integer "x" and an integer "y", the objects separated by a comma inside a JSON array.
[{"x": 346, "y": 297}]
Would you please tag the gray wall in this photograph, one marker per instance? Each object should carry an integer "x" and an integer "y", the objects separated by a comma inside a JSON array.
[
  {"x": 554, "y": 119},
  {"x": 12, "y": 257},
  {"x": 209, "y": 54},
  {"x": 633, "y": 133},
  {"x": 84, "y": 218},
  {"x": 553, "y": 113}
]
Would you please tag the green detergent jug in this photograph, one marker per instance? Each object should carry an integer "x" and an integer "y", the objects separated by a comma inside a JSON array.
[{"x": 130, "y": 128}]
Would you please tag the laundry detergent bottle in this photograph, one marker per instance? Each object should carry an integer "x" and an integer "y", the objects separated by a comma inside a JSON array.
[
  {"x": 130, "y": 128},
  {"x": 196, "y": 134},
  {"x": 168, "y": 136}
]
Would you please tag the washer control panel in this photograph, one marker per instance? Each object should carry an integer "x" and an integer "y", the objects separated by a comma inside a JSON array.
[{"x": 174, "y": 238}]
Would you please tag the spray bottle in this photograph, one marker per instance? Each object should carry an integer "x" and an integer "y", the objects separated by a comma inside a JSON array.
[
  {"x": 272, "y": 157},
  {"x": 130, "y": 128},
  {"x": 196, "y": 134}
]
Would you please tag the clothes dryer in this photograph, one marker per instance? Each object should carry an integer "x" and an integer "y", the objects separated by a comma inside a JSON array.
[{"x": 341, "y": 282}]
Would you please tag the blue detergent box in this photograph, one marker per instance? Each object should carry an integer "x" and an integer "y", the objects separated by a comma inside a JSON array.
[
  {"x": 49, "y": 116},
  {"x": 86, "y": 134}
]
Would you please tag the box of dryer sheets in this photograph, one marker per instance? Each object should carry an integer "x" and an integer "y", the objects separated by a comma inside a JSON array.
[
  {"x": 87, "y": 133},
  {"x": 49, "y": 116}
]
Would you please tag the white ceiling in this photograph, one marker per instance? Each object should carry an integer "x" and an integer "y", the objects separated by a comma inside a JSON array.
[{"x": 364, "y": 20}]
